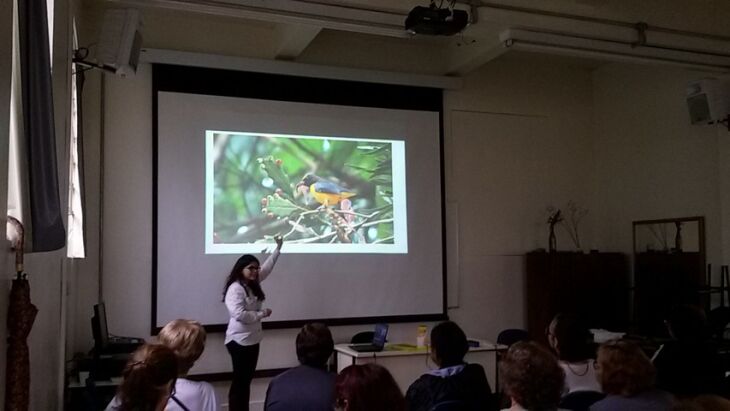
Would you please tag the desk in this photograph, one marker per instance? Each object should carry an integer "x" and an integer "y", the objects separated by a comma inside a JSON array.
[
  {"x": 83, "y": 393},
  {"x": 92, "y": 396},
  {"x": 407, "y": 363}
]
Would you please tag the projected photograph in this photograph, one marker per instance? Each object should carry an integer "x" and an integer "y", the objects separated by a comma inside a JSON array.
[{"x": 322, "y": 194}]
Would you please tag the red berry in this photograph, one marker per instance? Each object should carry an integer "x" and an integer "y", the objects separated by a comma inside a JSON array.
[
  {"x": 264, "y": 201},
  {"x": 278, "y": 162}
]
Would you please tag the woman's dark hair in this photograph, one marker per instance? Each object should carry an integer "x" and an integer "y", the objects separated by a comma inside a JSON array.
[
  {"x": 448, "y": 342},
  {"x": 237, "y": 275},
  {"x": 148, "y": 378},
  {"x": 531, "y": 376},
  {"x": 574, "y": 339},
  {"x": 368, "y": 387},
  {"x": 314, "y": 345},
  {"x": 687, "y": 323}
]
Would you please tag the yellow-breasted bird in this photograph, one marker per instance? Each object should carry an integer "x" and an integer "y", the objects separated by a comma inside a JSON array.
[{"x": 323, "y": 191}]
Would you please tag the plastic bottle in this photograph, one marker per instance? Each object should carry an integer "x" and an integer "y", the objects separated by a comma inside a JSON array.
[{"x": 421, "y": 336}]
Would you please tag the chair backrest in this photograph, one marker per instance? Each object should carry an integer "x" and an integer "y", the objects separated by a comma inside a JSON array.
[
  {"x": 580, "y": 400},
  {"x": 718, "y": 320},
  {"x": 362, "y": 337},
  {"x": 451, "y": 405},
  {"x": 512, "y": 335}
]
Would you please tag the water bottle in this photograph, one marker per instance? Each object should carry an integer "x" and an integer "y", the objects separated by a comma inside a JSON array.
[{"x": 421, "y": 336}]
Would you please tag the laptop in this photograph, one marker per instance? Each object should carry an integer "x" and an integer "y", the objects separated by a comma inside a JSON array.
[
  {"x": 381, "y": 331},
  {"x": 108, "y": 344}
]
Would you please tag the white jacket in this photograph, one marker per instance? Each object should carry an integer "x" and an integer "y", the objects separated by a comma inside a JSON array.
[{"x": 244, "y": 326}]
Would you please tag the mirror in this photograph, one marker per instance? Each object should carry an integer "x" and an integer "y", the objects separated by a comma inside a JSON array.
[{"x": 669, "y": 264}]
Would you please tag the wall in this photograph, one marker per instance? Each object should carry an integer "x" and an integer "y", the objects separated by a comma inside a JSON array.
[
  {"x": 518, "y": 140},
  {"x": 650, "y": 162},
  {"x": 723, "y": 154}
]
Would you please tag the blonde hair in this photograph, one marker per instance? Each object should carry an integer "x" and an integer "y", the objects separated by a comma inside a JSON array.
[
  {"x": 624, "y": 369},
  {"x": 187, "y": 339}
]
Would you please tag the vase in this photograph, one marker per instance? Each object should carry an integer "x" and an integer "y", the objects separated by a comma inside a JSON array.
[
  {"x": 678, "y": 237},
  {"x": 552, "y": 241}
]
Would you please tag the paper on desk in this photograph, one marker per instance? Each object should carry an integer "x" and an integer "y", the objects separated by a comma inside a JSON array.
[
  {"x": 405, "y": 347},
  {"x": 600, "y": 335}
]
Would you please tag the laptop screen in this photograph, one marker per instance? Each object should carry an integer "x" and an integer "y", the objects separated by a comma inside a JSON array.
[{"x": 381, "y": 331}]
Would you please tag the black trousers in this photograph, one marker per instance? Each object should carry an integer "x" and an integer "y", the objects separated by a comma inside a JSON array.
[{"x": 244, "y": 358}]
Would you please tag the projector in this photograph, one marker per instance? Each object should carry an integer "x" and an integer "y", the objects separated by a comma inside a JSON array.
[{"x": 436, "y": 21}]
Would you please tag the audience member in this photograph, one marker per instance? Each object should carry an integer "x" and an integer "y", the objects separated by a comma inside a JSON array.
[
  {"x": 627, "y": 377},
  {"x": 308, "y": 387},
  {"x": 148, "y": 380},
  {"x": 571, "y": 341},
  {"x": 531, "y": 377},
  {"x": 688, "y": 365},
  {"x": 703, "y": 403},
  {"x": 186, "y": 338},
  {"x": 367, "y": 387},
  {"x": 455, "y": 380}
]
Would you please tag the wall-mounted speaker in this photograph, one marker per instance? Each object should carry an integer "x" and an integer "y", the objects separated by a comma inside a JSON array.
[
  {"x": 120, "y": 41},
  {"x": 708, "y": 100}
]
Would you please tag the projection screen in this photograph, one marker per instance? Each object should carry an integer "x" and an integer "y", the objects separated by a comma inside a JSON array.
[{"x": 348, "y": 175}]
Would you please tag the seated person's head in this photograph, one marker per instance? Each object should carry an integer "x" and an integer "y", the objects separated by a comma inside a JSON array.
[
  {"x": 623, "y": 369},
  {"x": 148, "y": 379},
  {"x": 569, "y": 338},
  {"x": 448, "y": 344},
  {"x": 187, "y": 339},
  {"x": 531, "y": 376},
  {"x": 314, "y": 345},
  {"x": 687, "y": 322},
  {"x": 367, "y": 387}
]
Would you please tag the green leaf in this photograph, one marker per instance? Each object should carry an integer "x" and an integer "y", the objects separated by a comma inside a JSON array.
[
  {"x": 280, "y": 206},
  {"x": 276, "y": 172},
  {"x": 369, "y": 170}
]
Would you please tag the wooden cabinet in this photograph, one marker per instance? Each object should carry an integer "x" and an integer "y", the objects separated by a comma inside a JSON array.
[
  {"x": 662, "y": 281},
  {"x": 593, "y": 286}
]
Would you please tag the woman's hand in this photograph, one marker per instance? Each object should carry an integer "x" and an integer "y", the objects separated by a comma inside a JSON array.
[
  {"x": 266, "y": 312},
  {"x": 279, "y": 241}
]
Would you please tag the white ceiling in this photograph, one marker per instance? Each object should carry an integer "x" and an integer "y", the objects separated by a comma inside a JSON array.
[{"x": 369, "y": 33}]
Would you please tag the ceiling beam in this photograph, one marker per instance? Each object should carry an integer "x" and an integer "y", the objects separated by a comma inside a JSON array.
[
  {"x": 469, "y": 57},
  {"x": 294, "y": 39},
  {"x": 290, "y": 68},
  {"x": 329, "y": 16}
]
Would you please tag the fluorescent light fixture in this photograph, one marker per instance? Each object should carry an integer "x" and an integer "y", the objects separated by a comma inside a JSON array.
[{"x": 581, "y": 46}]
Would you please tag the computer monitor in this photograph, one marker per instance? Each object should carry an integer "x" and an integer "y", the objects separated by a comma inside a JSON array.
[{"x": 99, "y": 327}]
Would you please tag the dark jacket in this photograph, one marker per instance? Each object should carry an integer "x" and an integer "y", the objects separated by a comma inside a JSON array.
[
  {"x": 469, "y": 386},
  {"x": 689, "y": 368},
  {"x": 302, "y": 388}
]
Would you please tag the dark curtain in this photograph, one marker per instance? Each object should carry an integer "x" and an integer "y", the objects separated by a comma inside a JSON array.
[
  {"x": 21, "y": 314},
  {"x": 45, "y": 225}
]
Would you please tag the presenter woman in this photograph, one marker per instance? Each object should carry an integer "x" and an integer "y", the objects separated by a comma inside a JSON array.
[{"x": 244, "y": 298}]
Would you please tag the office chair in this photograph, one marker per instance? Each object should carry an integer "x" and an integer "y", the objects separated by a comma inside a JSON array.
[
  {"x": 512, "y": 335},
  {"x": 580, "y": 400},
  {"x": 451, "y": 405},
  {"x": 362, "y": 337}
]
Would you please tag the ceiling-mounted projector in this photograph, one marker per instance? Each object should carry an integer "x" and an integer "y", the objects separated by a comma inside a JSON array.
[{"x": 436, "y": 21}]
